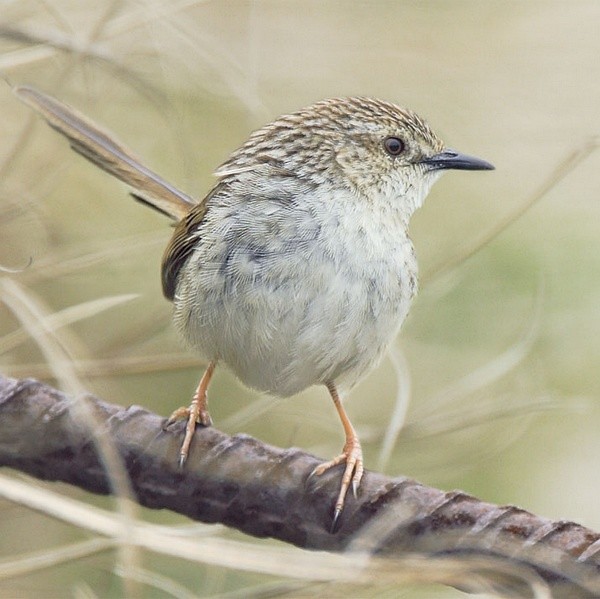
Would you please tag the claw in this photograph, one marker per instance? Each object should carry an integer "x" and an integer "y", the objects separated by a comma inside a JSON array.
[
  {"x": 335, "y": 521},
  {"x": 167, "y": 423}
]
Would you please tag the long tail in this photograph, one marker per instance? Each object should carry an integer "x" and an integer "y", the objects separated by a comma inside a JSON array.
[{"x": 100, "y": 147}]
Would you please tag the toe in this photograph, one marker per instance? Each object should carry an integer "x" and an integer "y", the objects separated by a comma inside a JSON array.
[
  {"x": 322, "y": 468},
  {"x": 204, "y": 418},
  {"x": 358, "y": 474},
  {"x": 182, "y": 413}
]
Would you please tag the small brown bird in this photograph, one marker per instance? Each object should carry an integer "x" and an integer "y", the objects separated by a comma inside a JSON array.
[{"x": 297, "y": 268}]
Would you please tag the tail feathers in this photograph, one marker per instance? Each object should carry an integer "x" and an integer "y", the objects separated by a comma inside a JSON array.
[{"x": 100, "y": 147}]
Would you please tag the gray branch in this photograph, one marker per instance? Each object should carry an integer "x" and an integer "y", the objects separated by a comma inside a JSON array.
[{"x": 266, "y": 492}]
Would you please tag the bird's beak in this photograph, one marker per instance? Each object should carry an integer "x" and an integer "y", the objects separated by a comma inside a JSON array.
[{"x": 451, "y": 159}]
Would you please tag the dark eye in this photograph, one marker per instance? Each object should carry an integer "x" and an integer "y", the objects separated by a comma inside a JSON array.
[{"x": 393, "y": 146}]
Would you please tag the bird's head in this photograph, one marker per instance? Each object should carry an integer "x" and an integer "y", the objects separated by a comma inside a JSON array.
[{"x": 372, "y": 147}]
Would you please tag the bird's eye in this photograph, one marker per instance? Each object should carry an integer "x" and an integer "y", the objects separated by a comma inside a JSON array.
[{"x": 393, "y": 146}]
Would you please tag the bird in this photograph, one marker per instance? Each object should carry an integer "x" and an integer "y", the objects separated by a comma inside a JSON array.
[{"x": 297, "y": 268}]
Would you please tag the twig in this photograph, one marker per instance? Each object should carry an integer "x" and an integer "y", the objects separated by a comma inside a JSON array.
[{"x": 265, "y": 491}]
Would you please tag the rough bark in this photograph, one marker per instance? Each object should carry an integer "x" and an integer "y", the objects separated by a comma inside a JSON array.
[{"x": 267, "y": 492}]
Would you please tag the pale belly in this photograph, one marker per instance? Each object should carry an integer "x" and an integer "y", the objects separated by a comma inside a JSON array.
[{"x": 297, "y": 310}]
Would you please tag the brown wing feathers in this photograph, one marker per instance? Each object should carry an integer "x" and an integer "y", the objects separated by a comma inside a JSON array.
[
  {"x": 104, "y": 151},
  {"x": 100, "y": 147}
]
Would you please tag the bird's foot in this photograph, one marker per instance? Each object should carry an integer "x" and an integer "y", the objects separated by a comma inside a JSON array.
[
  {"x": 190, "y": 412},
  {"x": 196, "y": 413},
  {"x": 353, "y": 457}
]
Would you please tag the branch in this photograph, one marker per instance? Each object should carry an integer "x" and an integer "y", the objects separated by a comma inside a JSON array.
[{"x": 265, "y": 491}]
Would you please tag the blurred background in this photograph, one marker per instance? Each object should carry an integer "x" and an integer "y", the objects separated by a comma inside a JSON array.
[{"x": 493, "y": 386}]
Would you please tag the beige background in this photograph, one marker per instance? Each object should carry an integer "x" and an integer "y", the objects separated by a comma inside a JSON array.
[{"x": 501, "y": 349}]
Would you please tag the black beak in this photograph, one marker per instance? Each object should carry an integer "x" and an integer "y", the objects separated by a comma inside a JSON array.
[{"x": 456, "y": 160}]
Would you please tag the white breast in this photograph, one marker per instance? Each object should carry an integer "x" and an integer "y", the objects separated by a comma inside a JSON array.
[{"x": 291, "y": 295}]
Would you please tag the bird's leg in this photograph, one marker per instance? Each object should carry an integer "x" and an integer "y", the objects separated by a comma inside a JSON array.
[
  {"x": 351, "y": 455},
  {"x": 197, "y": 412}
]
